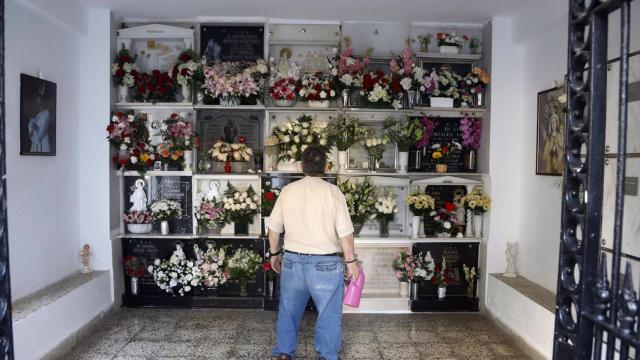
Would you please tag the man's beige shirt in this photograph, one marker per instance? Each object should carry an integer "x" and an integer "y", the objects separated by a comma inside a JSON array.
[{"x": 313, "y": 215}]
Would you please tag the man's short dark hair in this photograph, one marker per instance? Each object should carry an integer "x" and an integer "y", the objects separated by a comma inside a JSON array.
[{"x": 314, "y": 161}]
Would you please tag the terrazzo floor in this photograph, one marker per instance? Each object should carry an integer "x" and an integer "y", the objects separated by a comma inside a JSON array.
[{"x": 232, "y": 334}]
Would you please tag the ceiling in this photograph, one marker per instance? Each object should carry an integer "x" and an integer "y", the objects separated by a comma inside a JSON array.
[{"x": 433, "y": 11}]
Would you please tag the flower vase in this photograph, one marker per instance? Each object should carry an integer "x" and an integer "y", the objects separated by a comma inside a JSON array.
[
  {"x": 186, "y": 93},
  {"x": 188, "y": 160},
  {"x": 447, "y": 49},
  {"x": 265, "y": 221},
  {"x": 415, "y": 226},
  {"x": 123, "y": 93},
  {"x": 441, "y": 102},
  {"x": 227, "y": 167},
  {"x": 468, "y": 227},
  {"x": 384, "y": 227},
  {"x": 343, "y": 158},
  {"x": 241, "y": 227},
  {"x": 479, "y": 100},
  {"x": 257, "y": 160},
  {"x": 470, "y": 292},
  {"x": 409, "y": 100},
  {"x": 139, "y": 228},
  {"x": 134, "y": 286},
  {"x": 243, "y": 288},
  {"x": 470, "y": 160},
  {"x": 404, "y": 289},
  {"x": 346, "y": 94},
  {"x": 357, "y": 228},
  {"x": 373, "y": 163},
  {"x": 229, "y": 101},
  {"x": 442, "y": 292},
  {"x": 318, "y": 104},
  {"x": 414, "y": 290},
  {"x": 403, "y": 162},
  {"x": 270, "y": 287},
  {"x": 424, "y": 47},
  {"x": 441, "y": 168},
  {"x": 164, "y": 227},
  {"x": 284, "y": 103},
  {"x": 443, "y": 234},
  {"x": 290, "y": 166},
  {"x": 477, "y": 225},
  {"x": 239, "y": 167}
]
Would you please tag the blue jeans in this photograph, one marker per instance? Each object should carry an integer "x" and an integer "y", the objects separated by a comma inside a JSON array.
[{"x": 320, "y": 277}]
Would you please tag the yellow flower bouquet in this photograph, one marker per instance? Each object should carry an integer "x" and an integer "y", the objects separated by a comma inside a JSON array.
[
  {"x": 420, "y": 204},
  {"x": 477, "y": 201}
]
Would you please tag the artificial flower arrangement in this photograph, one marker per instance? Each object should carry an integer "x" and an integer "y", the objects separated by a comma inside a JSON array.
[
  {"x": 477, "y": 201},
  {"x": 289, "y": 140},
  {"x": 268, "y": 270},
  {"x": 470, "y": 275},
  {"x": 138, "y": 217},
  {"x": 441, "y": 277},
  {"x": 178, "y": 136},
  {"x": 212, "y": 265},
  {"x": 139, "y": 158},
  {"x": 440, "y": 152},
  {"x": 284, "y": 90},
  {"x": 154, "y": 87},
  {"x": 243, "y": 266},
  {"x": 380, "y": 89},
  {"x": 123, "y": 69},
  {"x": 473, "y": 83},
  {"x": 405, "y": 133},
  {"x": 345, "y": 131},
  {"x": 232, "y": 83},
  {"x": 133, "y": 266},
  {"x": 424, "y": 40},
  {"x": 209, "y": 212},
  {"x": 443, "y": 83},
  {"x": 428, "y": 127},
  {"x": 164, "y": 210},
  {"x": 385, "y": 208},
  {"x": 188, "y": 70},
  {"x": 240, "y": 206},
  {"x": 375, "y": 147},
  {"x": 404, "y": 69},
  {"x": 269, "y": 197},
  {"x": 348, "y": 69},
  {"x": 236, "y": 152},
  {"x": 451, "y": 39},
  {"x": 471, "y": 130},
  {"x": 406, "y": 265},
  {"x": 126, "y": 131},
  {"x": 474, "y": 44},
  {"x": 176, "y": 275},
  {"x": 444, "y": 219},
  {"x": 420, "y": 203},
  {"x": 361, "y": 198},
  {"x": 316, "y": 87}
]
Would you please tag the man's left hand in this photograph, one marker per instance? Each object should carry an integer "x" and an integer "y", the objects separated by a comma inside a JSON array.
[{"x": 276, "y": 263}]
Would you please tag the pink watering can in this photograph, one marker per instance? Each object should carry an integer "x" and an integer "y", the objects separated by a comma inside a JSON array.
[{"x": 353, "y": 291}]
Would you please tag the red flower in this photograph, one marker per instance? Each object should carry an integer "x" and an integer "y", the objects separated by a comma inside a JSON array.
[
  {"x": 269, "y": 196},
  {"x": 125, "y": 58},
  {"x": 449, "y": 206},
  {"x": 140, "y": 90},
  {"x": 155, "y": 73},
  {"x": 266, "y": 266},
  {"x": 184, "y": 57},
  {"x": 141, "y": 146},
  {"x": 123, "y": 162},
  {"x": 110, "y": 128},
  {"x": 241, "y": 139},
  {"x": 163, "y": 90},
  {"x": 395, "y": 86},
  {"x": 174, "y": 116},
  {"x": 114, "y": 159},
  {"x": 184, "y": 72},
  {"x": 149, "y": 162},
  {"x": 119, "y": 73},
  {"x": 445, "y": 149},
  {"x": 465, "y": 37}
]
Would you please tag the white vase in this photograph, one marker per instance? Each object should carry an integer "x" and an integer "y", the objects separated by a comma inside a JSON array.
[
  {"x": 134, "y": 286},
  {"x": 139, "y": 228},
  {"x": 442, "y": 292},
  {"x": 290, "y": 166},
  {"x": 188, "y": 160},
  {"x": 415, "y": 226},
  {"x": 186, "y": 93},
  {"x": 123, "y": 93},
  {"x": 468, "y": 227},
  {"x": 403, "y": 162},
  {"x": 270, "y": 288},
  {"x": 446, "y": 49},
  {"x": 164, "y": 227},
  {"x": 343, "y": 158},
  {"x": 318, "y": 104},
  {"x": 477, "y": 225},
  {"x": 265, "y": 219},
  {"x": 404, "y": 289},
  {"x": 284, "y": 103},
  {"x": 441, "y": 102}
]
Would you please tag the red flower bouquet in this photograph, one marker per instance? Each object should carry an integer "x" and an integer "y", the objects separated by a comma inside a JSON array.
[
  {"x": 284, "y": 89},
  {"x": 316, "y": 87},
  {"x": 381, "y": 89},
  {"x": 123, "y": 69},
  {"x": 155, "y": 87},
  {"x": 268, "y": 270},
  {"x": 269, "y": 197},
  {"x": 134, "y": 266},
  {"x": 441, "y": 278}
]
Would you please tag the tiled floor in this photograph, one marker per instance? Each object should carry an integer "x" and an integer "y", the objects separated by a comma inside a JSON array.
[{"x": 226, "y": 334}]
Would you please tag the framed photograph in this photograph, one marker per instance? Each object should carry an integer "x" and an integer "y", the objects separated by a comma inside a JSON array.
[
  {"x": 37, "y": 116},
  {"x": 550, "y": 132}
]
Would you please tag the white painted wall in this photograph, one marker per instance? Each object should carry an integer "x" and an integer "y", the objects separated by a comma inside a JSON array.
[{"x": 42, "y": 191}]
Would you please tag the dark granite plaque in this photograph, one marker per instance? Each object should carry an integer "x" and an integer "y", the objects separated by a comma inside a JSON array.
[
  {"x": 228, "y": 125},
  {"x": 232, "y": 43}
]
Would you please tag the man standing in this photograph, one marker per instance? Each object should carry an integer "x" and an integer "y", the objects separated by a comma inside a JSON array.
[{"x": 313, "y": 215}]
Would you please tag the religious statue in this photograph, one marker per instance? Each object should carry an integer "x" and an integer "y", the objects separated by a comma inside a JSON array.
[
  {"x": 178, "y": 254},
  {"x": 431, "y": 265},
  {"x": 512, "y": 255},
  {"x": 230, "y": 132},
  {"x": 84, "y": 258},
  {"x": 283, "y": 64},
  {"x": 214, "y": 191},
  {"x": 139, "y": 197}
]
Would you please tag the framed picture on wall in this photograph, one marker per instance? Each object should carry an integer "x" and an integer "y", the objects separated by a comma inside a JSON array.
[
  {"x": 550, "y": 132},
  {"x": 37, "y": 116}
]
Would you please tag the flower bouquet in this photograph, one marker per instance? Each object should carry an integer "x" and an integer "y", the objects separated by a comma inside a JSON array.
[
  {"x": 271, "y": 276},
  {"x": 236, "y": 156},
  {"x": 424, "y": 40},
  {"x": 209, "y": 213},
  {"x": 474, "y": 45},
  {"x": 440, "y": 153},
  {"x": 188, "y": 73},
  {"x": 420, "y": 205},
  {"x": 284, "y": 91},
  {"x": 165, "y": 210},
  {"x": 472, "y": 86},
  {"x": 344, "y": 131},
  {"x": 381, "y": 90},
  {"x": 360, "y": 198},
  {"x": 212, "y": 265},
  {"x": 410, "y": 77},
  {"x": 269, "y": 198},
  {"x": 317, "y": 89},
  {"x": 179, "y": 139},
  {"x": 442, "y": 87},
  {"x": 178, "y": 274},
  {"x": 477, "y": 201},
  {"x": 385, "y": 209},
  {"x": 243, "y": 266},
  {"x": 134, "y": 267},
  {"x": 444, "y": 219},
  {"x": 405, "y": 266},
  {"x": 441, "y": 278},
  {"x": 240, "y": 207},
  {"x": 405, "y": 133},
  {"x": 470, "y": 275},
  {"x": 231, "y": 83},
  {"x": 126, "y": 131},
  {"x": 289, "y": 140},
  {"x": 155, "y": 87},
  {"x": 138, "y": 222},
  {"x": 347, "y": 69},
  {"x": 138, "y": 159},
  {"x": 450, "y": 43},
  {"x": 471, "y": 129},
  {"x": 124, "y": 73},
  {"x": 375, "y": 147}
]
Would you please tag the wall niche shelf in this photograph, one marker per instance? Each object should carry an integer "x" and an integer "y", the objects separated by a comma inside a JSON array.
[
  {"x": 439, "y": 56},
  {"x": 157, "y": 106},
  {"x": 228, "y": 108}
]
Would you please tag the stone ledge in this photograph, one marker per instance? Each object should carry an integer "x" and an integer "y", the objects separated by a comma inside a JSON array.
[
  {"x": 531, "y": 290},
  {"x": 40, "y": 299}
]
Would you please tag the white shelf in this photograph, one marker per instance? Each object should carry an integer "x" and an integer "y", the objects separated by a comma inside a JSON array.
[
  {"x": 228, "y": 236},
  {"x": 156, "y": 173},
  {"x": 405, "y": 241},
  {"x": 231, "y": 108},
  {"x": 149, "y": 106},
  {"x": 439, "y": 56},
  {"x": 300, "y": 107},
  {"x": 303, "y": 42},
  {"x": 423, "y": 111},
  {"x": 228, "y": 176},
  {"x": 155, "y": 235}
]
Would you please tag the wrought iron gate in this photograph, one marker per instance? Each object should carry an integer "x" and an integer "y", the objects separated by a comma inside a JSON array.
[
  {"x": 595, "y": 316},
  {"x": 6, "y": 333}
]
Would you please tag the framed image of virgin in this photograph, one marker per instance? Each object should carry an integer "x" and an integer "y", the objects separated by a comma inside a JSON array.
[
  {"x": 550, "y": 132},
  {"x": 37, "y": 116}
]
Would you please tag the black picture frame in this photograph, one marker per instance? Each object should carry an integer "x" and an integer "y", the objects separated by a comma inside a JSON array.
[
  {"x": 550, "y": 132},
  {"x": 232, "y": 42},
  {"x": 37, "y": 116}
]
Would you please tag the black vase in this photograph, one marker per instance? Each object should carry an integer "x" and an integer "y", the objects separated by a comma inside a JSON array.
[{"x": 241, "y": 227}]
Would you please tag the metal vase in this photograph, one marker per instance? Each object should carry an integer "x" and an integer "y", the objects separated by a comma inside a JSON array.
[
  {"x": 270, "y": 285},
  {"x": 346, "y": 94},
  {"x": 470, "y": 160},
  {"x": 414, "y": 290},
  {"x": 442, "y": 293},
  {"x": 410, "y": 99},
  {"x": 134, "y": 286},
  {"x": 164, "y": 227},
  {"x": 373, "y": 164}
]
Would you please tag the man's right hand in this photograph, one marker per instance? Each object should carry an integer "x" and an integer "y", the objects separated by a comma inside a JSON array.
[
  {"x": 276, "y": 263},
  {"x": 353, "y": 270}
]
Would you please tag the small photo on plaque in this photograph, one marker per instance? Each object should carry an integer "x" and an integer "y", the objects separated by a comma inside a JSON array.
[{"x": 157, "y": 166}]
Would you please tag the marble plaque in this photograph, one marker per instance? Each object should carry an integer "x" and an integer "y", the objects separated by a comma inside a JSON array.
[
  {"x": 229, "y": 125},
  {"x": 378, "y": 269},
  {"x": 633, "y": 109}
]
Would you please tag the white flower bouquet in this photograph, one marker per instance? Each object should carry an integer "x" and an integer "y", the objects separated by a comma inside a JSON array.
[
  {"x": 212, "y": 265},
  {"x": 375, "y": 146},
  {"x": 178, "y": 274},
  {"x": 360, "y": 198},
  {"x": 316, "y": 87},
  {"x": 236, "y": 152},
  {"x": 164, "y": 209},
  {"x": 240, "y": 206},
  {"x": 291, "y": 139},
  {"x": 385, "y": 207},
  {"x": 243, "y": 266}
]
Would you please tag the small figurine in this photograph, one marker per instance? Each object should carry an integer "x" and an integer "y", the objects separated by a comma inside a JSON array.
[
  {"x": 84, "y": 257},
  {"x": 214, "y": 191},
  {"x": 139, "y": 197},
  {"x": 512, "y": 256}
]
